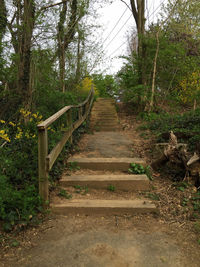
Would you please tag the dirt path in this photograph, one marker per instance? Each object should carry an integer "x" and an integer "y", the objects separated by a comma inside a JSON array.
[{"x": 150, "y": 240}]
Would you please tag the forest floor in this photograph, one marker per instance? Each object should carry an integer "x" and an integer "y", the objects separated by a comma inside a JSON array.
[{"x": 170, "y": 238}]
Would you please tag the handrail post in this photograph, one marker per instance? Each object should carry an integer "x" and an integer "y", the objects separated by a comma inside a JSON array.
[
  {"x": 69, "y": 123},
  {"x": 42, "y": 167}
]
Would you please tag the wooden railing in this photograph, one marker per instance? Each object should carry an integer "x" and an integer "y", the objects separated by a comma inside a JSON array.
[{"x": 45, "y": 160}]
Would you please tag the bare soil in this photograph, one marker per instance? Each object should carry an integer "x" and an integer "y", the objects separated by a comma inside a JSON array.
[{"x": 169, "y": 238}]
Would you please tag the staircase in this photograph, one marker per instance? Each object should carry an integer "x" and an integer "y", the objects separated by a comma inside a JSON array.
[
  {"x": 104, "y": 116},
  {"x": 104, "y": 163}
]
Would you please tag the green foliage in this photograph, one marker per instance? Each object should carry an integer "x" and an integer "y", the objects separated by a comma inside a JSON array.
[
  {"x": 177, "y": 65},
  {"x": 106, "y": 85},
  {"x": 19, "y": 199},
  {"x": 111, "y": 188},
  {"x": 64, "y": 193},
  {"x": 83, "y": 190},
  {"x": 17, "y": 206},
  {"x": 136, "y": 168},
  {"x": 193, "y": 201},
  {"x": 196, "y": 202},
  {"x": 186, "y": 124},
  {"x": 153, "y": 196},
  {"x": 131, "y": 91},
  {"x": 197, "y": 226},
  {"x": 8, "y": 241},
  {"x": 73, "y": 166}
]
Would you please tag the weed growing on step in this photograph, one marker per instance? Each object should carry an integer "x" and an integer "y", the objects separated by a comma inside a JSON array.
[
  {"x": 153, "y": 196},
  {"x": 63, "y": 193},
  {"x": 83, "y": 190},
  {"x": 111, "y": 188},
  {"x": 136, "y": 168},
  {"x": 73, "y": 166}
]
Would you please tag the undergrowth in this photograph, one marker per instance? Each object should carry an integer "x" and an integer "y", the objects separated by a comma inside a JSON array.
[
  {"x": 20, "y": 203},
  {"x": 186, "y": 125}
]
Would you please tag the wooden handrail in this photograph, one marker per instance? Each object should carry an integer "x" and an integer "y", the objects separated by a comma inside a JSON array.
[
  {"x": 54, "y": 117},
  {"x": 45, "y": 160}
]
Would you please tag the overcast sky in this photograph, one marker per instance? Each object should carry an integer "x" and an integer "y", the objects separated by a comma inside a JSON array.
[{"x": 115, "y": 39}]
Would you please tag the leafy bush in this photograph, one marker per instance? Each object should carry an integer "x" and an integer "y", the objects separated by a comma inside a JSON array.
[
  {"x": 17, "y": 206},
  {"x": 19, "y": 198}
]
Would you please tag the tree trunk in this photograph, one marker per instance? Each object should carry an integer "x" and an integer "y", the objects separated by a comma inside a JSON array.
[
  {"x": 80, "y": 53},
  {"x": 24, "y": 52},
  {"x": 138, "y": 11},
  {"x": 65, "y": 37},
  {"x": 154, "y": 72},
  {"x": 61, "y": 49},
  {"x": 3, "y": 22}
]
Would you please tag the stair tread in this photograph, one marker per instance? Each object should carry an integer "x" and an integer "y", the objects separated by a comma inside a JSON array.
[
  {"x": 104, "y": 207},
  {"x": 107, "y": 160},
  {"x": 124, "y": 182},
  {"x": 106, "y": 177},
  {"x": 106, "y": 203}
]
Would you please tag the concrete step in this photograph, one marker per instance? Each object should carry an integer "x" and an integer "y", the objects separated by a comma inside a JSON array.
[
  {"x": 110, "y": 164},
  {"x": 103, "y": 207},
  {"x": 123, "y": 182}
]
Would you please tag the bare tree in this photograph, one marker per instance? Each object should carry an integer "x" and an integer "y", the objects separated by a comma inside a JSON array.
[
  {"x": 65, "y": 35},
  {"x": 138, "y": 11}
]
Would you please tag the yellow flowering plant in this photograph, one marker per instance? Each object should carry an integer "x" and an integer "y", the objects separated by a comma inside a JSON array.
[
  {"x": 10, "y": 131},
  {"x": 189, "y": 88},
  {"x": 86, "y": 86}
]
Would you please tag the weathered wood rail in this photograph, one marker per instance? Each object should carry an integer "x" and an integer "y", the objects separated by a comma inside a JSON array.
[{"x": 45, "y": 160}]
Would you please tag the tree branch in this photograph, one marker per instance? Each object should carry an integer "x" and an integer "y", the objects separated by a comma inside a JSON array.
[
  {"x": 126, "y": 5},
  {"x": 57, "y": 4},
  {"x": 134, "y": 11}
]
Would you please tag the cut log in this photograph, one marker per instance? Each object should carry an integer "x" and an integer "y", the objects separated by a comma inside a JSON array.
[
  {"x": 173, "y": 152},
  {"x": 178, "y": 155}
]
